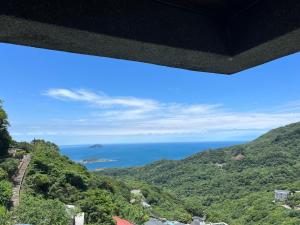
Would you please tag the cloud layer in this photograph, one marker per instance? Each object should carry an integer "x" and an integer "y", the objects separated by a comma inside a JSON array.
[{"x": 131, "y": 116}]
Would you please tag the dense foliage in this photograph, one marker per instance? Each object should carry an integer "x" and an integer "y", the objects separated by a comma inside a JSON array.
[
  {"x": 8, "y": 167},
  {"x": 42, "y": 212},
  {"x": 163, "y": 204},
  {"x": 5, "y": 192},
  {"x": 235, "y": 184},
  {"x": 5, "y": 138},
  {"x": 52, "y": 176},
  {"x": 53, "y": 181}
]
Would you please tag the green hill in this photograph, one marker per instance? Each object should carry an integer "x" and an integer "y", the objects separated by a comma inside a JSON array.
[
  {"x": 54, "y": 181},
  {"x": 234, "y": 184}
]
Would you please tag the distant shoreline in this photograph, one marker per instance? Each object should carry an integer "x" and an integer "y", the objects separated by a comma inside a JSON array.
[
  {"x": 98, "y": 169},
  {"x": 89, "y": 161},
  {"x": 131, "y": 155}
]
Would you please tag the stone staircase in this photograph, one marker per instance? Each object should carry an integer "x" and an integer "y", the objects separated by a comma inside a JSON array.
[{"x": 18, "y": 179}]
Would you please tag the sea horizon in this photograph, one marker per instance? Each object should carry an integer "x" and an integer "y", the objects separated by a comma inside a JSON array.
[
  {"x": 120, "y": 155},
  {"x": 162, "y": 142}
]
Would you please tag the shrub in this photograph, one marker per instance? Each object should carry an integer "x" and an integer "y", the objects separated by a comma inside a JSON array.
[
  {"x": 38, "y": 211},
  {"x": 20, "y": 154},
  {"x": 5, "y": 192},
  {"x": 10, "y": 166},
  {"x": 99, "y": 207},
  {"x": 4, "y": 216},
  {"x": 3, "y": 174}
]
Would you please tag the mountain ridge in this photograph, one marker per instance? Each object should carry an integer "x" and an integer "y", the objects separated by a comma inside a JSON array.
[{"x": 226, "y": 177}]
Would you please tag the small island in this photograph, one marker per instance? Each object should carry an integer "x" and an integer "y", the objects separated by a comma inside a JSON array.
[
  {"x": 98, "y": 169},
  {"x": 96, "y": 146},
  {"x": 95, "y": 160}
]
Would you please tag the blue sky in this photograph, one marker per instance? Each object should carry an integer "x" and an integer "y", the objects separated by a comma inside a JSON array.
[{"x": 77, "y": 99}]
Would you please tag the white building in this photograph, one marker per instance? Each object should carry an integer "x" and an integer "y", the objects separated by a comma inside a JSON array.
[
  {"x": 198, "y": 221},
  {"x": 76, "y": 218},
  {"x": 281, "y": 195}
]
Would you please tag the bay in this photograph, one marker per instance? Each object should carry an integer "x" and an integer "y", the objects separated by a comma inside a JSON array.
[{"x": 129, "y": 155}]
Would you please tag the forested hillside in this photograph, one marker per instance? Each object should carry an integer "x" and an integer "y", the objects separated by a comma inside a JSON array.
[
  {"x": 8, "y": 167},
  {"x": 54, "y": 179},
  {"x": 235, "y": 184}
]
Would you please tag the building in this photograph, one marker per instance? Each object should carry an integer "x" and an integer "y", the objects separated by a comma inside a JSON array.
[
  {"x": 281, "y": 195},
  {"x": 220, "y": 223},
  {"x": 76, "y": 219},
  {"x": 198, "y": 221},
  {"x": 220, "y": 36},
  {"x": 145, "y": 204},
  {"x": 120, "y": 221},
  {"x": 79, "y": 219},
  {"x": 153, "y": 221}
]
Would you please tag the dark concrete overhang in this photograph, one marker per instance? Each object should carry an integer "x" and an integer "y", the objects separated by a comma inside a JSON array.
[{"x": 221, "y": 36}]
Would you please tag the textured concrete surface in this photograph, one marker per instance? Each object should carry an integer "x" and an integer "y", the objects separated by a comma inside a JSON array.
[{"x": 221, "y": 36}]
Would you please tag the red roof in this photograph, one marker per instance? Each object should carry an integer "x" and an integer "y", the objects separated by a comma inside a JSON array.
[{"x": 121, "y": 221}]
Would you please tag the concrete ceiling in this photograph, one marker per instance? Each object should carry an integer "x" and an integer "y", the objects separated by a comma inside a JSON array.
[{"x": 220, "y": 36}]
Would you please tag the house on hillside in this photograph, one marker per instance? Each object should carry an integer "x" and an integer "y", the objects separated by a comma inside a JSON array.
[
  {"x": 201, "y": 221},
  {"x": 220, "y": 223},
  {"x": 137, "y": 195},
  {"x": 173, "y": 223},
  {"x": 76, "y": 218},
  {"x": 281, "y": 195},
  {"x": 120, "y": 221},
  {"x": 153, "y": 221},
  {"x": 198, "y": 221}
]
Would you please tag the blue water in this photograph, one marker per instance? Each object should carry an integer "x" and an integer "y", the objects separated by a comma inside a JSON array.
[{"x": 127, "y": 155}]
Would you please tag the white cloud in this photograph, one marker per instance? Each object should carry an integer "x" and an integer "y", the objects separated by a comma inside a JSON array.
[
  {"x": 125, "y": 116},
  {"x": 100, "y": 99}
]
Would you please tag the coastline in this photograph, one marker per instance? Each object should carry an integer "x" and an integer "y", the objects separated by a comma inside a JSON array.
[{"x": 87, "y": 161}]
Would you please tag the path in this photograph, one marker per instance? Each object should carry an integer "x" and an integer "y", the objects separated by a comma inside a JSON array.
[{"x": 18, "y": 180}]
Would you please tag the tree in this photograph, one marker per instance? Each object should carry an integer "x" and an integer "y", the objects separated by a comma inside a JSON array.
[
  {"x": 5, "y": 192},
  {"x": 38, "y": 211},
  {"x": 10, "y": 166},
  {"x": 5, "y": 218},
  {"x": 99, "y": 207},
  {"x": 5, "y": 138}
]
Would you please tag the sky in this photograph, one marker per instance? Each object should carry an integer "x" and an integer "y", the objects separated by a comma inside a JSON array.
[{"x": 78, "y": 99}]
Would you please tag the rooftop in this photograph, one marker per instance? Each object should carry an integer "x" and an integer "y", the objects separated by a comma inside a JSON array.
[{"x": 221, "y": 36}]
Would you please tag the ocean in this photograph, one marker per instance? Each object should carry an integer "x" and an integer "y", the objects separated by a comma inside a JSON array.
[{"x": 129, "y": 155}]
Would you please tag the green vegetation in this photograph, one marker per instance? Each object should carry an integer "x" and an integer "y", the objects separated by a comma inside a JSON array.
[
  {"x": 235, "y": 184},
  {"x": 54, "y": 179},
  {"x": 5, "y": 138},
  {"x": 294, "y": 200},
  {"x": 5, "y": 192},
  {"x": 8, "y": 166},
  {"x": 163, "y": 204},
  {"x": 35, "y": 210}
]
